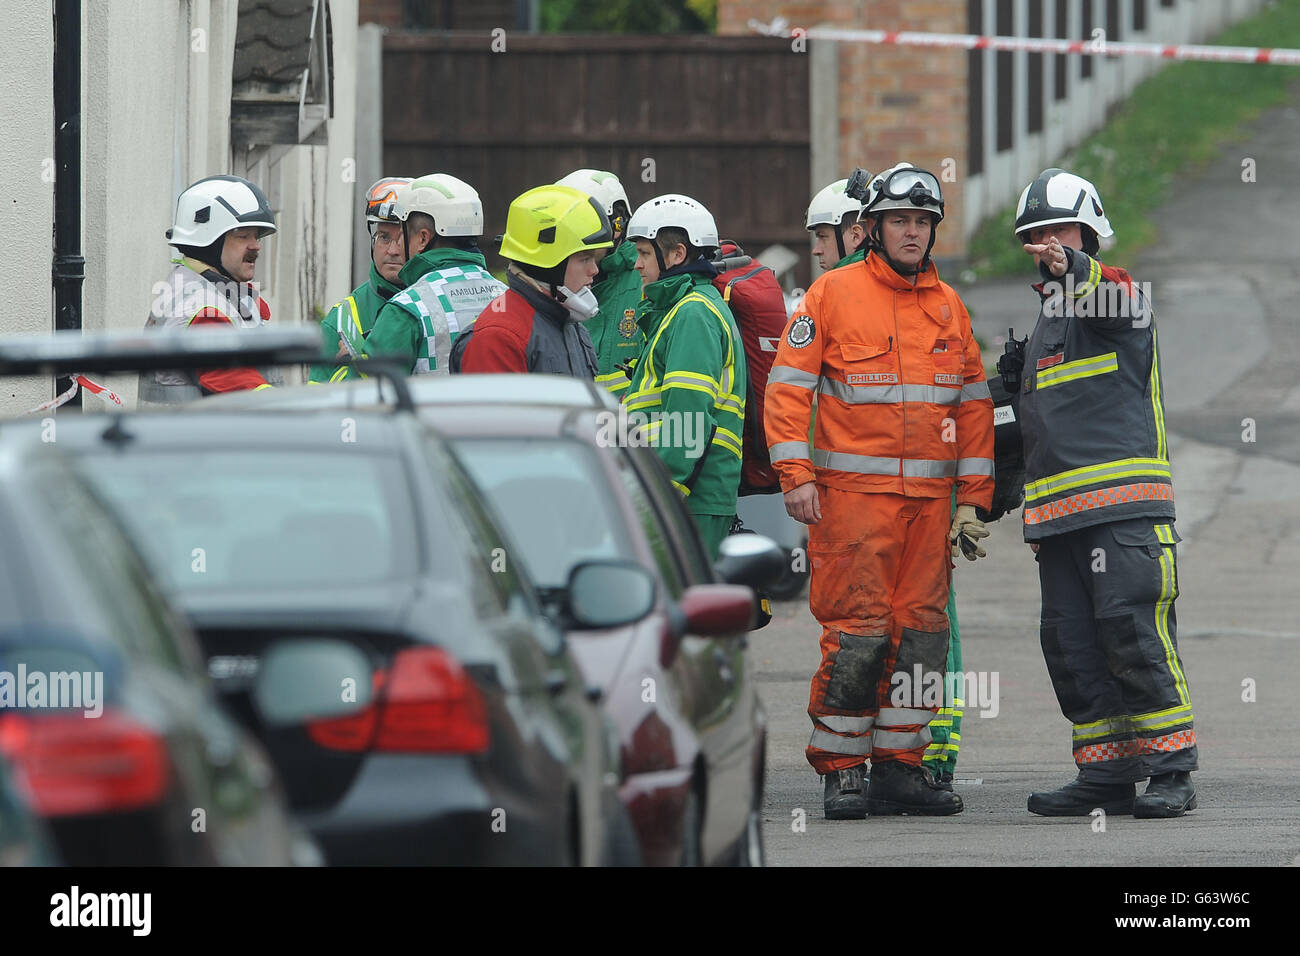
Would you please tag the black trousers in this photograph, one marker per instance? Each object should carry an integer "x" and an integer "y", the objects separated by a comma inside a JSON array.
[{"x": 1107, "y": 630}]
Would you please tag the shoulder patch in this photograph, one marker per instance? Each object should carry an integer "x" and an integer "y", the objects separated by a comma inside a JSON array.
[
  {"x": 627, "y": 325},
  {"x": 802, "y": 332}
]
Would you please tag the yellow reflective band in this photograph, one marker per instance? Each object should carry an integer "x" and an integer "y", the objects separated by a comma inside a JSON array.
[
  {"x": 693, "y": 378},
  {"x": 939, "y": 723},
  {"x": 1094, "y": 277},
  {"x": 691, "y": 386},
  {"x": 1081, "y": 368},
  {"x": 1164, "y": 534},
  {"x": 356, "y": 319},
  {"x": 728, "y": 441},
  {"x": 258, "y": 388},
  {"x": 340, "y": 373},
  {"x": 958, "y": 702},
  {"x": 641, "y": 400},
  {"x": 1167, "y": 595},
  {"x": 1076, "y": 477},
  {"x": 1157, "y": 400},
  {"x": 682, "y": 488}
]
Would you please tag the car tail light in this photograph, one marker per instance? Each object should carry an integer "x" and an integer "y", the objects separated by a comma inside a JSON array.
[
  {"x": 78, "y": 765},
  {"x": 425, "y": 703}
]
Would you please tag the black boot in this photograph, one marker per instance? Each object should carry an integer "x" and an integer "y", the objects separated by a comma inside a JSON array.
[
  {"x": 898, "y": 788},
  {"x": 1167, "y": 795},
  {"x": 1079, "y": 798},
  {"x": 846, "y": 794}
]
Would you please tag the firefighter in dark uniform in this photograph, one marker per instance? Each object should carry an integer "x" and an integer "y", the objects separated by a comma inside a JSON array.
[{"x": 1099, "y": 512}]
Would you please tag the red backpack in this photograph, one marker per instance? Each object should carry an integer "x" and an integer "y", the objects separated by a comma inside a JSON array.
[{"x": 758, "y": 305}]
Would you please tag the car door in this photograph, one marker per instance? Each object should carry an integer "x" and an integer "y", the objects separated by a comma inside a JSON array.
[{"x": 713, "y": 671}]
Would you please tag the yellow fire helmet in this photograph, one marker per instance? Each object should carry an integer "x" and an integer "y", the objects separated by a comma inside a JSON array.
[{"x": 548, "y": 224}]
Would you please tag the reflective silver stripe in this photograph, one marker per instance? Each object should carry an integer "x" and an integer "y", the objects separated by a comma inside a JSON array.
[
  {"x": 888, "y": 394},
  {"x": 975, "y": 391},
  {"x": 859, "y": 464},
  {"x": 785, "y": 450},
  {"x": 855, "y": 746},
  {"x": 788, "y": 375},
  {"x": 903, "y": 716},
  {"x": 861, "y": 394},
  {"x": 929, "y": 468},
  {"x": 893, "y": 740},
  {"x": 974, "y": 466},
  {"x": 845, "y": 725},
  {"x": 938, "y": 394}
]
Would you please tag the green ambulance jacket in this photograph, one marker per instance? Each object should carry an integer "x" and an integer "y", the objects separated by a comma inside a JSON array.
[
  {"x": 446, "y": 291},
  {"x": 691, "y": 380},
  {"x": 348, "y": 323},
  {"x": 857, "y": 255},
  {"x": 613, "y": 330}
]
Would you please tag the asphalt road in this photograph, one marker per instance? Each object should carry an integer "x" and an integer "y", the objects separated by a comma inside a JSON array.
[{"x": 1225, "y": 282}]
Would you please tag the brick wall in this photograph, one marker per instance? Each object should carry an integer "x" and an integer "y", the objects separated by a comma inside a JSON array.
[{"x": 895, "y": 103}]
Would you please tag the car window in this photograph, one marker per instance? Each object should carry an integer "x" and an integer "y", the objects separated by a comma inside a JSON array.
[
  {"x": 496, "y": 584},
  {"x": 105, "y": 561},
  {"x": 652, "y": 524},
  {"x": 261, "y": 519},
  {"x": 552, "y": 495}
]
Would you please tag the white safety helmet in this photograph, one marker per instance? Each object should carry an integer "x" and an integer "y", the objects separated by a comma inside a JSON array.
[
  {"x": 214, "y": 206},
  {"x": 904, "y": 186},
  {"x": 831, "y": 205},
  {"x": 1057, "y": 196},
  {"x": 453, "y": 204},
  {"x": 677, "y": 211},
  {"x": 599, "y": 185}
]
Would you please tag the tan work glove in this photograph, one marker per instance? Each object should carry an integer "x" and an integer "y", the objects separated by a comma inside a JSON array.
[{"x": 965, "y": 524}]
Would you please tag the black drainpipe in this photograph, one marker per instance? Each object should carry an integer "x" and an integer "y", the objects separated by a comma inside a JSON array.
[{"x": 69, "y": 266}]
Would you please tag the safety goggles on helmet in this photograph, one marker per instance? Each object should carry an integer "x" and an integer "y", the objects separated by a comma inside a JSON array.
[
  {"x": 916, "y": 186},
  {"x": 379, "y": 199}
]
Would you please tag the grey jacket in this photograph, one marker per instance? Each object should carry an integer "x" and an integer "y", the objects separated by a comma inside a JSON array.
[{"x": 1090, "y": 406}]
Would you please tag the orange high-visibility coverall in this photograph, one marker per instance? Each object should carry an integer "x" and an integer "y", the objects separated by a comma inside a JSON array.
[{"x": 903, "y": 412}]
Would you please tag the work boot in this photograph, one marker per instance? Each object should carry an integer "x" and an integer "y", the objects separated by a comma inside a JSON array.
[
  {"x": 1079, "y": 798},
  {"x": 1167, "y": 795},
  {"x": 846, "y": 794},
  {"x": 899, "y": 788},
  {"x": 944, "y": 779}
]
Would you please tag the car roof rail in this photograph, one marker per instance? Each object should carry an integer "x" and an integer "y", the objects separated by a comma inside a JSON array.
[{"x": 72, "y": 352}]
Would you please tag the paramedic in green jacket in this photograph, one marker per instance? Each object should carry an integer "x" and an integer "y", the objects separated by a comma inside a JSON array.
[
  {"x": 446, "y": 284},
  {"x": 839, "y": 238},
  {"x": 345, "y": 326},
  {"x": 691, "y": 378},
  {"x": 613, "y": 330}
]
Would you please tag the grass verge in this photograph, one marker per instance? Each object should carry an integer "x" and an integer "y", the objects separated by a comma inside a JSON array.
[{"x": 1172, "y": 123}]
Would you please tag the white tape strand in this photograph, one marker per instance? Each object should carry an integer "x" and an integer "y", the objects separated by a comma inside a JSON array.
[{"x": 1098, "y": 47}]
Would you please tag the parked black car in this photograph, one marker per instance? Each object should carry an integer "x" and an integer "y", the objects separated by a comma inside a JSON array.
[{"x": 110, "y": 729}]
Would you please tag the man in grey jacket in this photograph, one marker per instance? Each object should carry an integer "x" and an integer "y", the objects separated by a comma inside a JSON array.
[{"x": 1099, "y": 513}]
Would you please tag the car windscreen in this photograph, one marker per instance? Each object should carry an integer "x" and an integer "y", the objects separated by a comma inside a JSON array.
[
  {"x": 553, "y": 499},
  {"x": 262, "y": 519}
]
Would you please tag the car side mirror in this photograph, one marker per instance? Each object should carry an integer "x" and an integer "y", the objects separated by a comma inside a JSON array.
[
  {"x": 749, "y": 559},
  {"x": 312, "y": 679},
  {"x": 609, "y": 594}
]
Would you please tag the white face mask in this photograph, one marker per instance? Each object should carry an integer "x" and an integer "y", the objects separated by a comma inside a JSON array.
[{"x": 582, "y": 305}]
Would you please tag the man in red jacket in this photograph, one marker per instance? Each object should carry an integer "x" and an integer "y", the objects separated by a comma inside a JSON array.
[
  {"x": 554, "y": 237},
  {"x": 219, "y": 224}
]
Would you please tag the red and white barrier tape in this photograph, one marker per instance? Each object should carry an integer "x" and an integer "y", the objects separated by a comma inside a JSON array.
[
  {"x": 1095, "y": 47},
  {"x": 64, "y": 397}
]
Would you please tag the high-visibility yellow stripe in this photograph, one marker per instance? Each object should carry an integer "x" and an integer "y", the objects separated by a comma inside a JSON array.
[
  {"x": 690, "y": 386},
  {"x": 1167, "y": 595},
  {"x": 1094, "y": 277},
  {"x": 340, "y": 373},
  {"x": 682, "y": 488},
  {"x": 1081, "y": 368},
  {"x": 258, "y": 388},
  {"x": 1157, "y": 400},
  {"x": 697, "y": 378},
  {"x": 1077, "y": 477}
]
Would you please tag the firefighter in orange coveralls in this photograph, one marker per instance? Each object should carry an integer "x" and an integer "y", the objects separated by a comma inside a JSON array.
[{"x": 903, "y": 413}]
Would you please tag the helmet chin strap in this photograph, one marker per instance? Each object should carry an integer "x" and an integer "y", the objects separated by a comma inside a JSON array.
[{"x": 839, "y": 241}]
